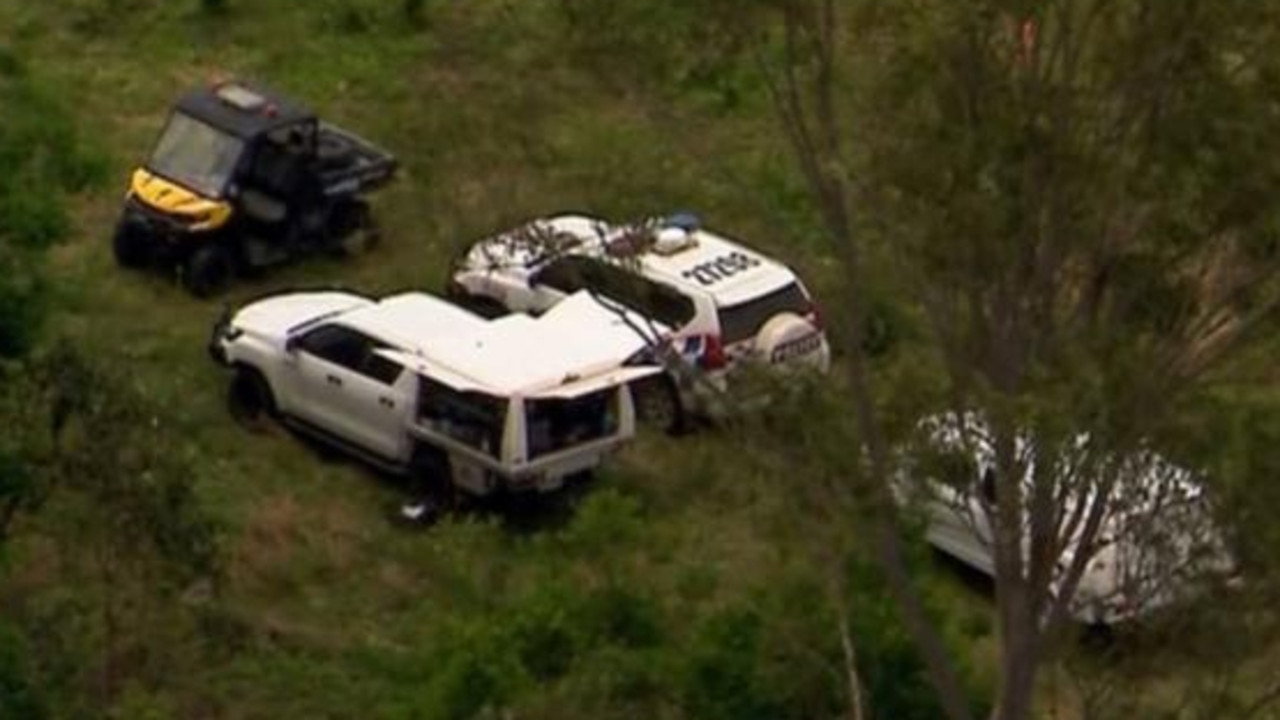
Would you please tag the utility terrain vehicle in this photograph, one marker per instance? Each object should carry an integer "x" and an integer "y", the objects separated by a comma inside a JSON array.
[{"x": 242, "y": 178}]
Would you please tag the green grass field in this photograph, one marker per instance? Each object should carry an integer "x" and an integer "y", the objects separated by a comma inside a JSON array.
[
  {"x": 331, "y": 610},
  {"x": 342, "y": 613}
]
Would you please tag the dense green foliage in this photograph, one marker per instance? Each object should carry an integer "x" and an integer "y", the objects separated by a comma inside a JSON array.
[{"x": 41, "y": 159}]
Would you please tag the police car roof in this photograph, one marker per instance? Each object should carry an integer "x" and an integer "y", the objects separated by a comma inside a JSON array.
[
  {"x": 709, "y": 263},
  {"x": 242, "y": 109},
  {"x": 726, "y": 270}
]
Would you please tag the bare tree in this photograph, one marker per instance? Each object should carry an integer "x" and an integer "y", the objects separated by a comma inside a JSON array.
[{"x": 1087, "y": 233}]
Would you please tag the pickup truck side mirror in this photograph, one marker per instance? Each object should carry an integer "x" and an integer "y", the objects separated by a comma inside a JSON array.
[{"x": 291, "y": 344}]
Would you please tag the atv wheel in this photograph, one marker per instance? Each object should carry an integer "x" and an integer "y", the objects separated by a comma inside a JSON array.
[
  {"x": 658, "y": 405},
  {"x": 358, "y": 232},
  {"x": 208, "y": 271},
  {"x": 131, "y": 245}
]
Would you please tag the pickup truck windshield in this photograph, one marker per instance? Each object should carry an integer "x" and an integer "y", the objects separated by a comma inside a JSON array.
[
  {"x": 196, "y": 154},
  {"x": 472, "y": 418},
  {"x": 556, "y": 424}
]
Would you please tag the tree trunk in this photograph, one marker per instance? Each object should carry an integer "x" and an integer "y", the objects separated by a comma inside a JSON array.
[{"x": 1019, "y": 663}]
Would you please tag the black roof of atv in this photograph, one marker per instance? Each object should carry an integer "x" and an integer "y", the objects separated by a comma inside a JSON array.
[{"x": 242, "y": 109}]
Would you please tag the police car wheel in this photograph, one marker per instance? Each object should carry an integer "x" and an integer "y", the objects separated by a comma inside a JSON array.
[{"x": 658, "y": 405}]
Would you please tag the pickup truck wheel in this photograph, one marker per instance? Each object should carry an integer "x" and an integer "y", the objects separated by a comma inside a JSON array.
[
  {"x": 208, "y": 270},
  {"x": 130, "y": 245},
  {"x": 250, "y": 399},
  {"x": 658, "y": 404},
  {"x": 431, "y": 486}
]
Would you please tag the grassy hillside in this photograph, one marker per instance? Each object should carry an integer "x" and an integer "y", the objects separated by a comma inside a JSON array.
[
  {"x": 647, "y": 594},
  {"x": 682, "y": 583}
]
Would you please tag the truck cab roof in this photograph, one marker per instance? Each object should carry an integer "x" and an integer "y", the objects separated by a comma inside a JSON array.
[{"x": 243, "y": 109}]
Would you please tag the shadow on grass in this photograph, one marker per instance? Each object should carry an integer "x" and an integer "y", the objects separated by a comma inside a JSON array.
[{"x": 521, "y": 513}]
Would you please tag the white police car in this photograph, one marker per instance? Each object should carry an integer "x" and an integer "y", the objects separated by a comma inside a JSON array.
[{"x": 717, "y": 302}]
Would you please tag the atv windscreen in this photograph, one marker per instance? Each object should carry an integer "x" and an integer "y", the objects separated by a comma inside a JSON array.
[{"x": 196, "y": 154}]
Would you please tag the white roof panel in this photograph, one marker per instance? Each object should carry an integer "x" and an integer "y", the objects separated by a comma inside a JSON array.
[
  {"x": 413, "y": 320},
  {"x": 576, "y": 340}
]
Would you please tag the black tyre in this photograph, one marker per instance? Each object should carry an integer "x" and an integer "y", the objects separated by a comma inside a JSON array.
[
  {"x": 658, "y": 404},
  {"x": 431, "y": 488},
  {"x": 208, "y": 271},
  {"x": 356, "y": 229},
  {"x": 132, "y": 245},
  {"x": 249, "y": 398}
]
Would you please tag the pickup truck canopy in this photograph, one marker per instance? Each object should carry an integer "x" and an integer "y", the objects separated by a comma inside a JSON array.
[
  {"x": 570, "y": 389},
  {"x": 578, "y": 388},
  {"x": 576, "y": 342}
]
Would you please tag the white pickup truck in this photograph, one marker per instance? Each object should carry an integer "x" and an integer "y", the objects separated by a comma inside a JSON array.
[{"x": 416, "y": 385}]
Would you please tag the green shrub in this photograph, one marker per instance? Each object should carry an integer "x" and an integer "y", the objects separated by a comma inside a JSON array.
[
  {"x": 895, "y": 681},
  {"x": 723, "y": 676},
  {"x": 415, "y": 12},
  {"x": 42, "y": 158},
  {"x": 691, "y": 46},
  {"x": 18, "y": 698}
]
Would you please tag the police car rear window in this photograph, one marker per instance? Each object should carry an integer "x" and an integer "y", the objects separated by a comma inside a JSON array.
[
  {"x": 742, "y": 321},
  {"x": 656, "y": 301}
]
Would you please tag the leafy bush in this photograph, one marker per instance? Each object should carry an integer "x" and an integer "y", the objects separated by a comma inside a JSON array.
[
  {"x": 18, "y": 699},
  {"x": 42, "y": 158},
  {"x": 693, "y": 46},
  {"x": 892, "y": 672},
  {"x": 415, "y": 12},
  {"x": 724, "y": 676},
  {"x": 117, "y": 502}
]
